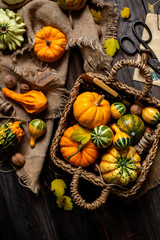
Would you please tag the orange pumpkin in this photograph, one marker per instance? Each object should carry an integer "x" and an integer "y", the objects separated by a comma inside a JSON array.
[
  {"x": 91, "y": 110},
  {"x": 50, "y": 44},
  {"x": 76, "y": 153}
]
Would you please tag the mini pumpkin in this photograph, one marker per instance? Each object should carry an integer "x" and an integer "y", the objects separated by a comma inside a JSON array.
[
  {"x": 120, "y": 166},
  {"x": 76, "y": 153},
  {"x": 91, "y": 110},
  {"x": 50, "y": 44}
]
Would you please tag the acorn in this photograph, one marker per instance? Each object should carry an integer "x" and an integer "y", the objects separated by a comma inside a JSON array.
[
  {"x": 136, "y": 109},
  {"x": 18, "y": 160},
  {"x": 24, "y": 88},
  {"x": 10, "y": 82}
]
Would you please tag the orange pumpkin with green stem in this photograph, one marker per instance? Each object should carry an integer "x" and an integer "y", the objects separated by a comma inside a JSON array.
[
  {"x": 75, "y": 152},
  {"x": 50, "y": 44},
  {"x": 33, "y": 101}
]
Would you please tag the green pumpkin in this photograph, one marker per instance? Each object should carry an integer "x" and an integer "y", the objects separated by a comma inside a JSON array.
[
  {"x": 10, "y": 135},
  {"x": 12, "y": 2},
  {"x": 72, "y": 4},
  {"x": 118, "y": 109},
  {"x": 12, "y": 29},
  {"x": 102, "y": 136},
  {"x": 133, "y": 126}
]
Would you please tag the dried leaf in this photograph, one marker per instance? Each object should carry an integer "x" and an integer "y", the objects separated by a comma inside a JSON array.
[
  {"x": 111, "y": 46},
  {"x": 58, "y": 186},
  {"x": 81, "y": 134},
  {"x": 96, "y": 15},
  {"x": 65, "y": 202},
  {"x": 150, "y": 7}
]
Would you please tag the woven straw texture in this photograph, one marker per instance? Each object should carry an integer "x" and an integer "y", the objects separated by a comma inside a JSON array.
[{"x": 92, "y": 177}]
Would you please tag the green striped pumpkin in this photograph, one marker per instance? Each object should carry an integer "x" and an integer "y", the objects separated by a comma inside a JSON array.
[
  {"x": 71, "y": 4},
  {"x": 132, "y": 125},
  {"x": 121, "y": 140},
  {"x": 12, "y": 29},
  {"x": 118, "y": 109},
  {"x": 10, "y": 135},
  {"x": 150, "y": 115},
  {"x": 102, "y": 136}
]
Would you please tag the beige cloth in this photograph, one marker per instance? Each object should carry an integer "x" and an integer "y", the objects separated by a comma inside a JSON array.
[
  {"x": 26, "y": 67},
  {"x": 151, "y": 21}
]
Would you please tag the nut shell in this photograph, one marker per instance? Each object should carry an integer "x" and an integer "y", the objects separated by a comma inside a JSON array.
[
  {"x": 136, "y": 109},
  {"x": 24, "y": 88},
  {"x": 10, "y": 82},
  {"x": 18, "y": 160}
]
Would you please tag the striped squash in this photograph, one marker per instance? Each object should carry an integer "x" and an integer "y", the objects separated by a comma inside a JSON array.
[
  {"x": 120, "y": 166},
  {"x": 102, "y": 136},
  {"x": 132, "y": 125},
  {"x": 121, "y": 140},
  {"x": 72, "y": 4},
  {"x": 118, "y": 109},
  {"x": 150, "y": 115},
  {"x": 10, "y": 135}
]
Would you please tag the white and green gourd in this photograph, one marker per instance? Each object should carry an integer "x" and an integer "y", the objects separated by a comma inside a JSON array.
[
  {"x": 102, "y": 136},
  {"x": 12, "y": 2},
  {"x": 12, "y": 29},
  {"x": 37, "y": 128}
]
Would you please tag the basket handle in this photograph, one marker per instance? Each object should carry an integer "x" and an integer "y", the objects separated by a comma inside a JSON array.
[
  {"x": 77, "y": 198},
  {"x": 133, "y": 63}
]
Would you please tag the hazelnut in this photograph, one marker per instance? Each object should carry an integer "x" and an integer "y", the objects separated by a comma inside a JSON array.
[
  {"x": 136, "y": 109},
  {"x": 18, "y": 160},
  {"x": 10, "y": 82},
  {"x": 24, "y": 88}
]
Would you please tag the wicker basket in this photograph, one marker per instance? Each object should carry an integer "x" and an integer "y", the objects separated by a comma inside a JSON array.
[{"x": 92, "y": 177}]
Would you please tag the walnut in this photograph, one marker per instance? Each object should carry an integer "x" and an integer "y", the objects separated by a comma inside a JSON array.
[
  {"x": 18, "y": 160},
  {"x": 10, "y": 82},
  {"x": 136, "y": 109},
  {"x": 149, "y": 130},
  {"x": 24, "y": 88}
]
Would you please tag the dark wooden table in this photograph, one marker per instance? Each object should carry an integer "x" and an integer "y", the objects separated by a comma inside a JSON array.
[{"x": 24, "y": 216}]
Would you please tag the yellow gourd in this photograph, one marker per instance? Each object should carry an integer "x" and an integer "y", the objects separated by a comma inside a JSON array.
[
  {"x": 37, "y": 128},
  {"x": 121, "y": 140}
]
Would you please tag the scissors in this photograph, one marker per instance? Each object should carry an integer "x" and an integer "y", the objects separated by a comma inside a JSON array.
[{"x": 153, "y": 60}]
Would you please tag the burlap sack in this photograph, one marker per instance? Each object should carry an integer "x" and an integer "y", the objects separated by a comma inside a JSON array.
[{"x": 24, "y": 65}]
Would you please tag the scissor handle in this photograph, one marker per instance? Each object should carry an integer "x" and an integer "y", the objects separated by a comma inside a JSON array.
[
  {"x": 144, "y": 42},
  {"x": 126, "y": 38}
]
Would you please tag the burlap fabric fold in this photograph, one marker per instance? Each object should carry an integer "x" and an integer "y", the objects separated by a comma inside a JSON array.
[{"x": 25, "y": 67}]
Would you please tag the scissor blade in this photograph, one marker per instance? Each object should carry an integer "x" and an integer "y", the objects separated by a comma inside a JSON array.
[{"x": 155, "y": 64}]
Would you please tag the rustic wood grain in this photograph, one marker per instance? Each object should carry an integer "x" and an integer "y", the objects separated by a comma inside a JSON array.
[{"x": 24, "y": 216}]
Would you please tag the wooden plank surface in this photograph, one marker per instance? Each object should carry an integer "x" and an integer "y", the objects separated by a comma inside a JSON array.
[{"x": 24, "y": 216}]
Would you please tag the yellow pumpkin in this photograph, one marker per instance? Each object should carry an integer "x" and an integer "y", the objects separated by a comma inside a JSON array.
[
  {"x": 120, "y": 166},
  {"x": 150, "y": 115},
  {"x": 50, "y": 44},
  {"x": 91, "y": 110},
  {"x": 76, "y": 153}
]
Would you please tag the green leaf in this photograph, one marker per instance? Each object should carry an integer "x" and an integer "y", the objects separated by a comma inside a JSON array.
[
  {"x": 111, "y": 46},
  {"x": 96, "y": 15},
  {"x": 81, "y": 134},
  {"x": 65, "y": 202},
  {"x": 58, "y": 186}
]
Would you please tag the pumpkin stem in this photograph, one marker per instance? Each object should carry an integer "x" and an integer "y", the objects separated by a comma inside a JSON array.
[
  {"x": 48, "y": 42},
  {"x": 70, "y": 19},
  {"x": 80, "y": 147},
  {"x": 100, "y": 100},
  {"x": 3, "y": 29}
]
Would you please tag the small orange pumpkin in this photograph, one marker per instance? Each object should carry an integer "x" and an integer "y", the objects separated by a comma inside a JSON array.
[
  {"x": 76, "y": 153},
  {"x": 91, "y": 110},
  {"x": 50, "y": 44}
]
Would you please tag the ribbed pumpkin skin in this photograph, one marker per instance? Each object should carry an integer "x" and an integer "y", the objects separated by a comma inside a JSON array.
[
  {"x": 132, "y": 125},
  {"x": 150, "y": 115},
  {"x": 50, "y": 44},
  {"x": 102, "y": 136},
  {"x": 12, "y": 29},
  {"x": 121, "y": 140},
  {"x": 72, "y": 4},
  {"x": 85, "y": 157},
  {"x": 87, "y": 113},
  {"x": 10, "y": 135},
  {"x": 117, "y": 166},
  {"x": 118, "y": 109}
]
